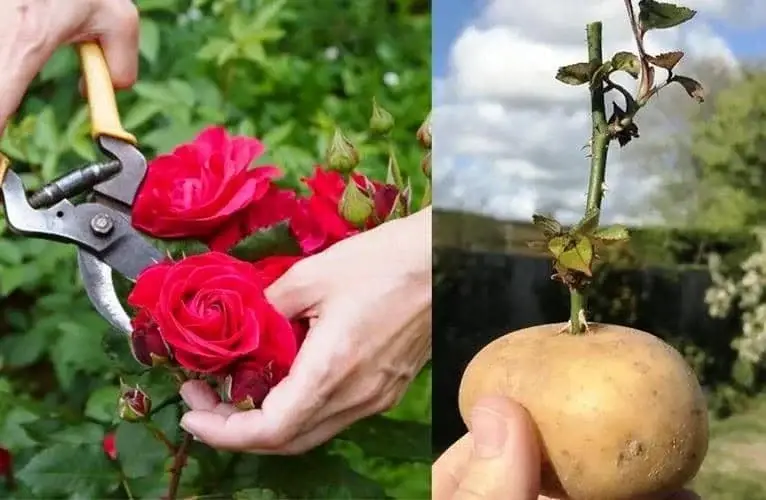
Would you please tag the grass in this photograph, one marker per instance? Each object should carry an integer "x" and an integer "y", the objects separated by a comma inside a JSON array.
[{"x": 735, "y": 466}]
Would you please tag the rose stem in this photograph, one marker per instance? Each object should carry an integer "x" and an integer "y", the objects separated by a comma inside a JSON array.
[
  {"x": 179, "y": 462},
  {"x": 599, "y": 143},
  {"x": 160, "y": 435},
  {"x": 181, "y": 453}
]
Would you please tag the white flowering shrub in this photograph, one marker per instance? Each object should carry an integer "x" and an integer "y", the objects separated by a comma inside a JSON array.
[{"x": 744, "y": 290}]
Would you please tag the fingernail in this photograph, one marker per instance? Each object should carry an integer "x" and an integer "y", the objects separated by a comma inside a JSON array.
[{"x": 489, "y": 432}]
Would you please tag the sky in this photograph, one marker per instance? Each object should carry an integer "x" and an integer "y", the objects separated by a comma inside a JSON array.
[{"x": 509, "y": 137}]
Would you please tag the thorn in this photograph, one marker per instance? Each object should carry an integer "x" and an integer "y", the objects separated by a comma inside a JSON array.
[
  {"x": 604, "y": 187},
  {"x": 583, "y": 321}
]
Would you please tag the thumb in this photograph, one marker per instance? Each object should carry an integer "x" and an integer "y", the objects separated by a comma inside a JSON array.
[
  {"x": 296, "y": 291},
  {"x": 505, "y": 464}
]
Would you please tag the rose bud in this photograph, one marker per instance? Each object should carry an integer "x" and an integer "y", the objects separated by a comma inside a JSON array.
[
  {"x": 110, "y": 447},
  {"x": 134, "y": 405},
  {"x": 247, "y": 386},
  {"x": 355, "y": 206},
  {"x": 146, "y": 342},
  {"x": 381, "y": 121},
  {"x": 342, "y": 155},
  {"x": 424, "y": 133},
  {"x": 425, "y": 165},
  {"x": 389, "y": 203}
]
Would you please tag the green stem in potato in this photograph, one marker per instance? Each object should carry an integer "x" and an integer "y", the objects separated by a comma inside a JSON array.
[{"x": 599, "y": 144}]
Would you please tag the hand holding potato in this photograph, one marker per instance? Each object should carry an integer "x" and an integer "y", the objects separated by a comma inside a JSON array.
[{"x": 498, "y": 460}]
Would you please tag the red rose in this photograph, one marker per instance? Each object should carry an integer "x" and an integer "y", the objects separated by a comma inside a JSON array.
[
  {"x": 211, "y": 311},
  {"x": 190, "y": 192},
  {"x": 110, "y": 447},
  {"x": 277, "y": 205}
]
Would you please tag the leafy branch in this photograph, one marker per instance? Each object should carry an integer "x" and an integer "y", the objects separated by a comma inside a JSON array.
[{"x": 576, "y": 250}]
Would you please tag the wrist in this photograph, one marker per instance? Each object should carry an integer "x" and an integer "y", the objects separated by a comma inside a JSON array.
[{"x": 415, "y": 238}]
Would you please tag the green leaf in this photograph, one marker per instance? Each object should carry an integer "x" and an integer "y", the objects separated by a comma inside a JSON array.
[
  {"x": 666, "y": 60},
  {"x": 384, "y": 437},
  {"x": 140, "y": 453},
  {"x": 627, "y": 62},
  {"x": 149, "y": 45},
  {"x": 655, "y": 15},
  {"x": 274, "y": 240},
  {"x": 394, "y": 175},
  {"x": 558, "y": 245},
  {"x": 578, "y": 257},
  {"x": 255, "y": 494},
  {"x": 63, "y": 469},
  {"x": 102, "y": 404},
  {"x": 116, "y": 347},
  {"x": 691, "y": 86},
  {"x": 77, "y": 350},
  {"x": 612, "y": 234},
  {"x": 331, "y": 477},
  {"x": 140, "y": 113},
  {"x": 548, "y": 225},
  {"x": 588, "y": 223},
  {"x": 574, "y": 74}
]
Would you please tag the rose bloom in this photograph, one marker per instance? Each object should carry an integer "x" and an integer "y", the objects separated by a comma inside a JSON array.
[
  {"x": 276, "y": 206},
  {"x": 201, "y": 185},
  {"x": 318, "y": 223},
  {"x": 6, "y": 461},
  {"x": 212, "y": 312},
  {"x": 110, "y": 446}
]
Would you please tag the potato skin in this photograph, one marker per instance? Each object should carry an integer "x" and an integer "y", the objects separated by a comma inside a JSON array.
[{"x": 620, "y": 414}]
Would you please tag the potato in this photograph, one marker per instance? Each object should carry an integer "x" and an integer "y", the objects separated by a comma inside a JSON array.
[{"x": 620, "y": 414}]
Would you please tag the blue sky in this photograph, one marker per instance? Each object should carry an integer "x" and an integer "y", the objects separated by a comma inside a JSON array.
[
  {"x": 450, "y": 16},
  {"x": 490, "y": 164}
]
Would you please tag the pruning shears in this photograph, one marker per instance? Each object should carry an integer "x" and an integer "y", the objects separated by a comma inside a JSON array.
[{"x": 101, "y": 226}]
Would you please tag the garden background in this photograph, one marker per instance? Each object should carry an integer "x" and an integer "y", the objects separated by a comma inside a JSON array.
[{"x": 285, "y": 71}]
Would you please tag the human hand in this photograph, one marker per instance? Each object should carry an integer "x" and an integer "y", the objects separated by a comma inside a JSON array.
[
  {"x": 498, "y": 460},
  {"x": 34, "y": 29},
  {"x": 369, "y": 302}
]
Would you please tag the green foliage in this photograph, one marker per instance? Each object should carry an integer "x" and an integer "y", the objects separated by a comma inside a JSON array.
[
  {"x": 728, "y": 154},
  {"x": 287, "y": 72}
]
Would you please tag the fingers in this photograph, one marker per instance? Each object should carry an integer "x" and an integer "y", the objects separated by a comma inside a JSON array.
[
  {"x": 296, "y": 291},
  {"x": 505, "y": 459},
  {"x": 118, "y": 26},
  {"x": 284, "y": 413},
  {"x": 449, "y": 467}
]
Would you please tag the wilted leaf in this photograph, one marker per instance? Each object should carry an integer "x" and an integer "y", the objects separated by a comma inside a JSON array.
[
  {"x": 627, "y": 62},
  {"x": 661, "y": 15},
  {"x": 548, "y": 225},
  {"x": 612, "y": 234},
  {"x": 574, "y": 74},
  {"x": 691, "y": 86},
  {"x": 666, "y": 60}
]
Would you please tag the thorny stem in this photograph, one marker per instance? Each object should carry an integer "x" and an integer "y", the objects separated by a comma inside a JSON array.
[
  {"x": 179, "y": 462},
  {"x": 599, "y": 147},
  {"x": 180, "y": 453}
]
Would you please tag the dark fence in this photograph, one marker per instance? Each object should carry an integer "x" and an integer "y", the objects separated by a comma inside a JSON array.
[{"x": 481, "y": 296}]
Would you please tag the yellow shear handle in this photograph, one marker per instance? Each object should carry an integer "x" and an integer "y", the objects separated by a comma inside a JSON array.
[{"x": 104, "y": 116}]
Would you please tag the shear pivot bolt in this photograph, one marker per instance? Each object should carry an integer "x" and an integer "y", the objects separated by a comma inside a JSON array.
[{"x": 102, "y": 224}]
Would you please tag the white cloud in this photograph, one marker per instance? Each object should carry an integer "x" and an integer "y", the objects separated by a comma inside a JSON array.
[{"x": 509, "y": 137}]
